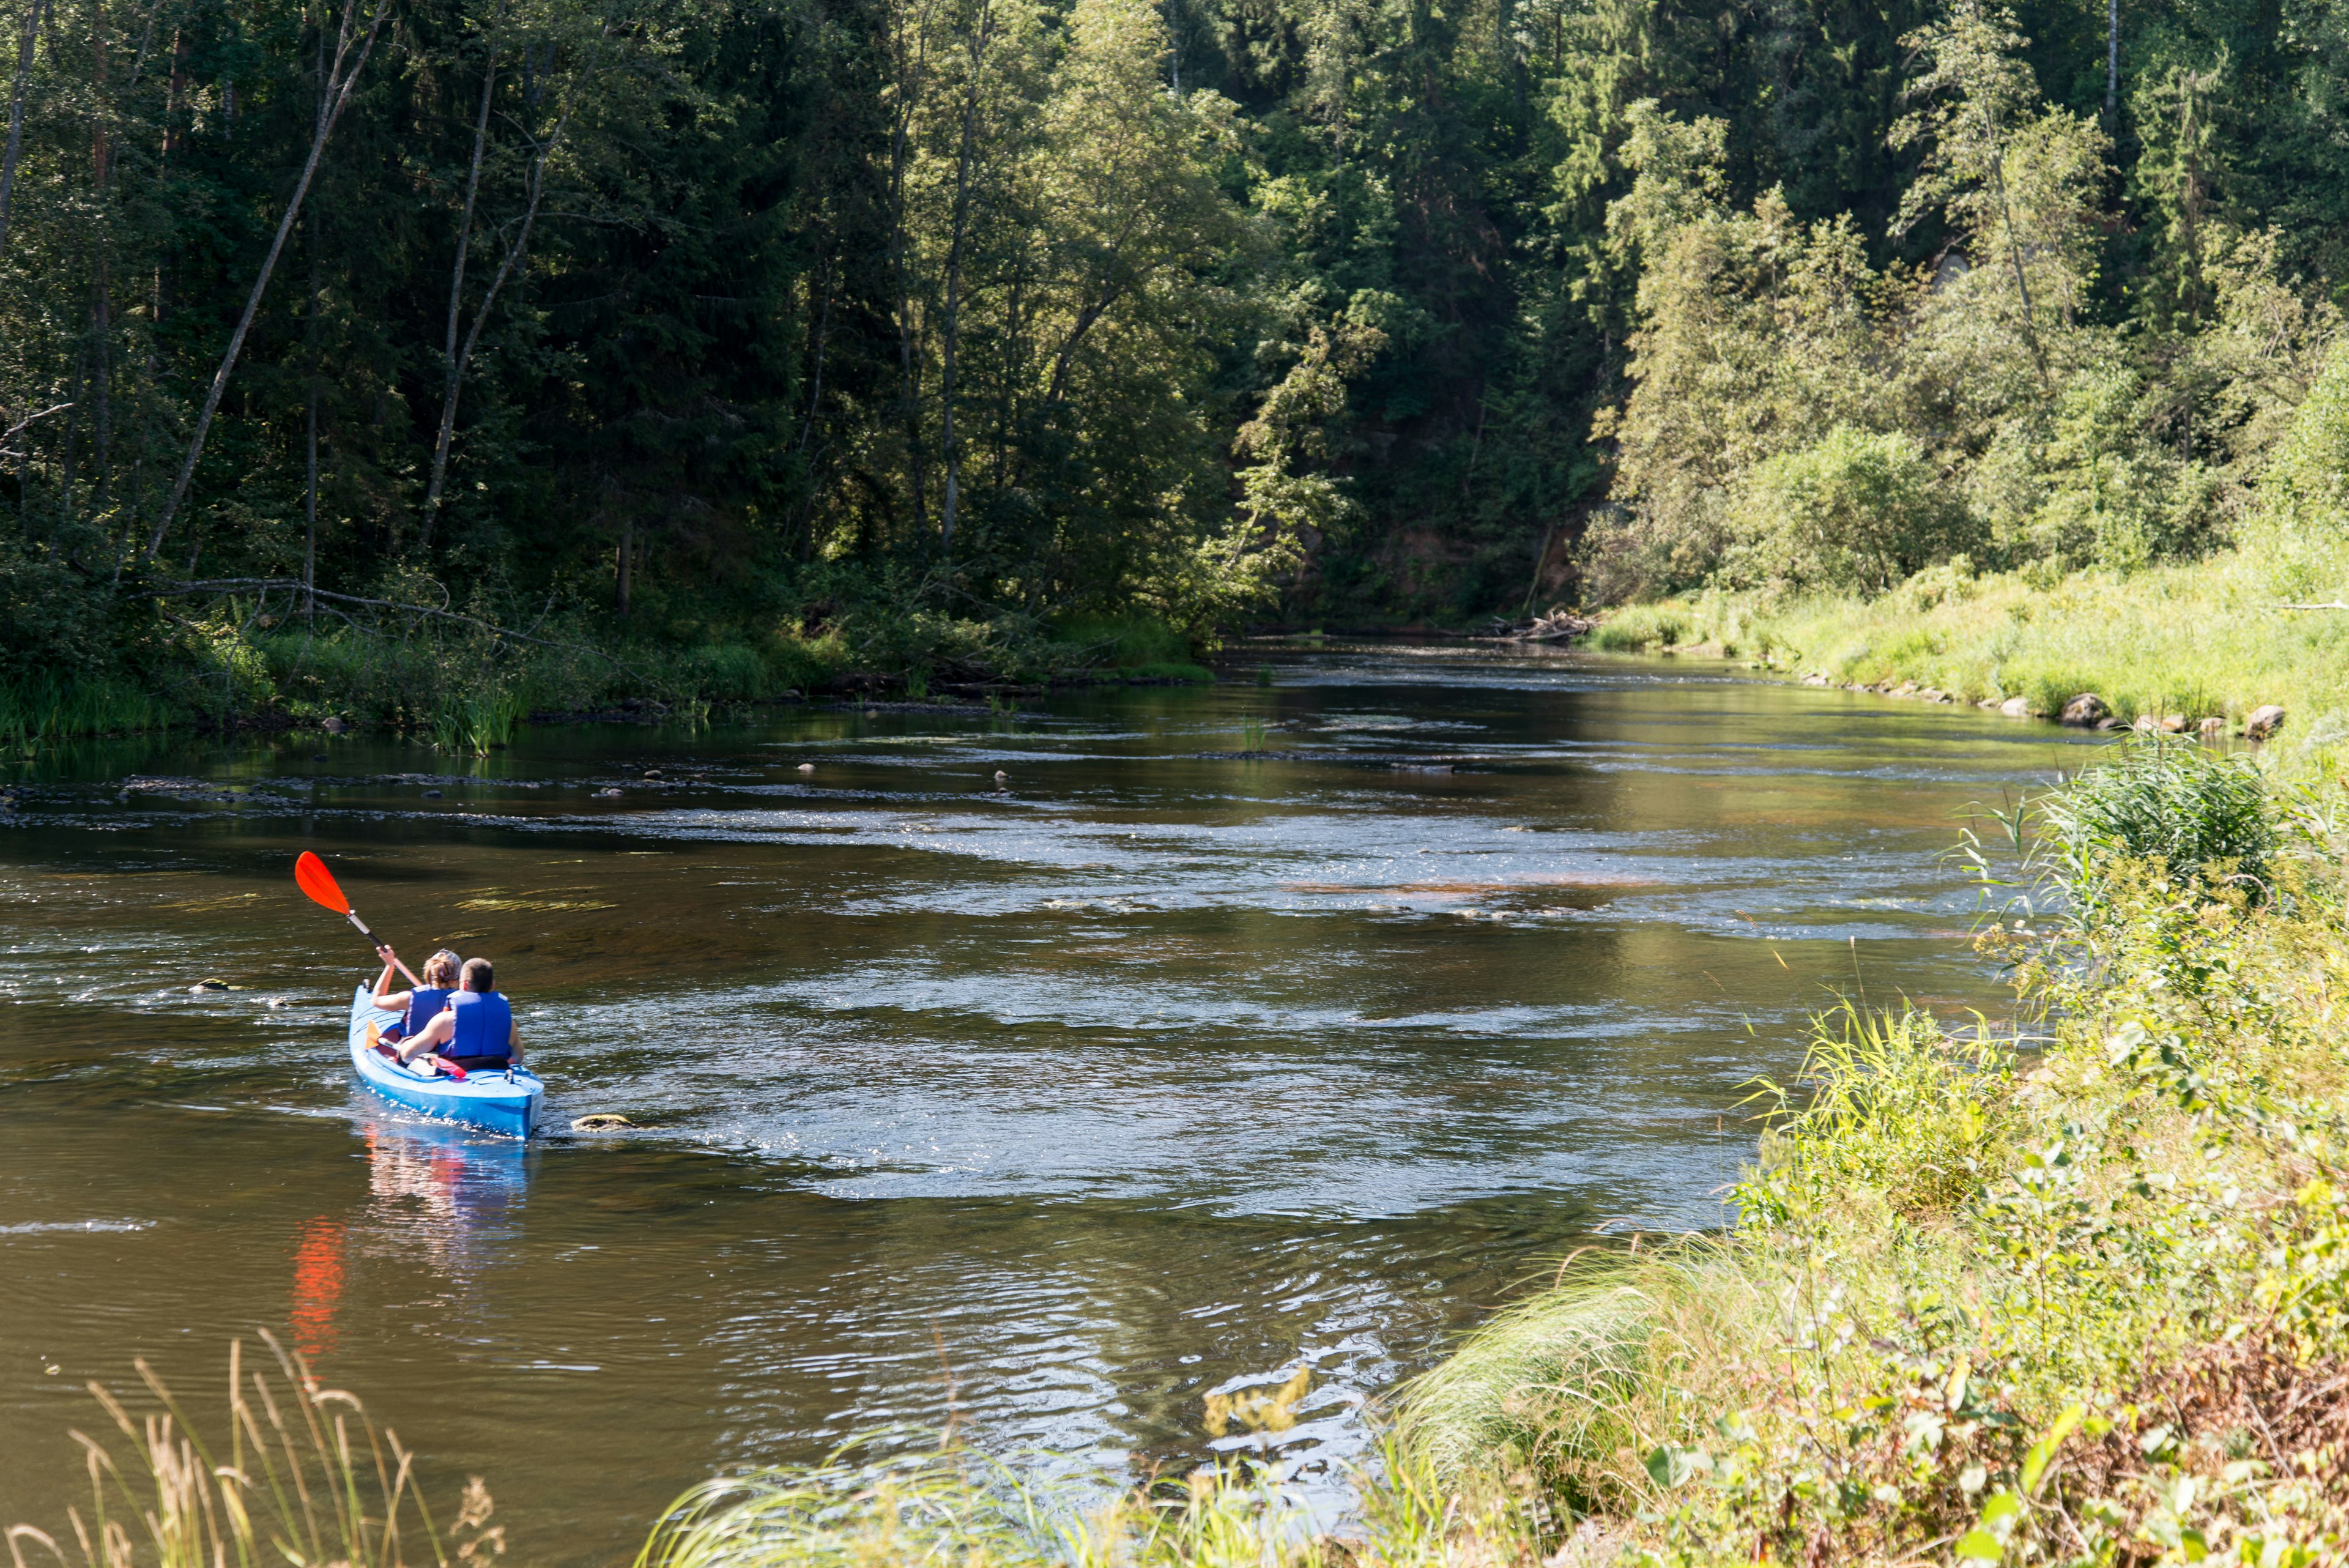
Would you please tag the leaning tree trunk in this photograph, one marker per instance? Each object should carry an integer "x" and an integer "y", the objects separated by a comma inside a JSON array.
[{"x": 331, "y": 104}]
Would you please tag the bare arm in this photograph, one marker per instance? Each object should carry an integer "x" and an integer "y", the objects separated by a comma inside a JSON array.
[
  {"x": 388, "y": 1000},
  {"x": 430, "y": 1037},
  {"x": 513, "y": 1042}
]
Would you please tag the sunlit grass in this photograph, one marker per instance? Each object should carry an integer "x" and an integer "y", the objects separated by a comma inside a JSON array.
[
  {"x": 958, "y": 1507},
  {"x": 2206, "y": 638},
  {"x": 304, "y": 1479}
]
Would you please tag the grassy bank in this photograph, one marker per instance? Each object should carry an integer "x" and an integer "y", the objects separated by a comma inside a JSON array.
[
  {"x": 468, "y": 687},
  {"x": 2078, "y": 1295},
  {"x": 2198, "y": 639}
]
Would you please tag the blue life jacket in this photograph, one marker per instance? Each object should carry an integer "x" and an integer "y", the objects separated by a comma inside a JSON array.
[
  {"x": 424, "y": 1006},
  {"x": 484, "y": 1025}
]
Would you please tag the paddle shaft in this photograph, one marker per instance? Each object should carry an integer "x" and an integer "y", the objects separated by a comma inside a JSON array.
[{"x": 377, "y": 943}]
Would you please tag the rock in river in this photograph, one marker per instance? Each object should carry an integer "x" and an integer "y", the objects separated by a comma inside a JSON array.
[
  {"x": 2016, "y": 707},
  {"x": 2264, "y": 721},
  {"x": 2084, "y": 711}
]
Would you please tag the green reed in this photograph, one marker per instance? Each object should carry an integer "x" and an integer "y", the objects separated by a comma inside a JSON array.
[{"x": 47, "y": 707}]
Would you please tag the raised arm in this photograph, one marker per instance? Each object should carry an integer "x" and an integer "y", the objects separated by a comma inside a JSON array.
[{"x": 385, "y": 997}]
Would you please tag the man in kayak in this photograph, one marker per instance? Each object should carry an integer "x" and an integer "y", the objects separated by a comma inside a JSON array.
[
  {"x": 421, "y": 1005},
  {"x": 476, "y": 1029}
]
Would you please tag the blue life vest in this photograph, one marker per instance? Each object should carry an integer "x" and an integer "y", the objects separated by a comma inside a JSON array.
[
  {"x": 424, "y": 1006},
  {"x": 484, "y": 1025}
]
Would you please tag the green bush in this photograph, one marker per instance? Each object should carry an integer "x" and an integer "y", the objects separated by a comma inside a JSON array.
[
  {"x": 2306, "y": 485},
  {"x": 1857, "y": 511}
]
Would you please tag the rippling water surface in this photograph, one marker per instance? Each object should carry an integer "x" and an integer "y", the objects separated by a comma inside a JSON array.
[{"x": 1162, "y": 1072}]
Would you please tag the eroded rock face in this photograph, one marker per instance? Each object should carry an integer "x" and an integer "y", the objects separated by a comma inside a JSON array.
[
  {"x": 2085, "y": 709},
  {"x": 2265, "y": 721}
]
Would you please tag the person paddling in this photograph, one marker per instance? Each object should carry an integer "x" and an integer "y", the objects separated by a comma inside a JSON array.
[
  {"x": 421, "y": 1005},
  {"x": 476, "y": 1030}
]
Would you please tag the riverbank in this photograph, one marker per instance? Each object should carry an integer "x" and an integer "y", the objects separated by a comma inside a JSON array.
[
  {"x": 2209, "y": 639},
  {"x": 468, "y": 687},
  {"x": 2080, "y": 1294}
]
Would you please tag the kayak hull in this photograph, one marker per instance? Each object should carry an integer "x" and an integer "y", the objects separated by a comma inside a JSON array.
[{"x": 501, "y": 1102}]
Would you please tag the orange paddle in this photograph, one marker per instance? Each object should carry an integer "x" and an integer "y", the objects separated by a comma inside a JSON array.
[{"x": 319, "y": 883}]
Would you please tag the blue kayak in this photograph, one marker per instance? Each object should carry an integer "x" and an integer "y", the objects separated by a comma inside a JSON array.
[{"x": 500, "y": 1100}]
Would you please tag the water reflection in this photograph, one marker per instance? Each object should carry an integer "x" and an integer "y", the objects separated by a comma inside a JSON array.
[{"x": 448, "y": 1196}]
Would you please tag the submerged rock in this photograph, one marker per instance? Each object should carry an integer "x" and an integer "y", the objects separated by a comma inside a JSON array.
[
  {"x": 2264, "y": 721},
  {"x": 2085, "y": 710},
  {"x": 601, "y": 1121}
]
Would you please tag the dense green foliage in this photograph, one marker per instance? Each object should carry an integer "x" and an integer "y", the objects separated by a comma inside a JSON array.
[{"x": 682, "y": 322}]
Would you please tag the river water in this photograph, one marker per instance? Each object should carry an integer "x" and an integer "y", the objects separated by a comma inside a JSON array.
[{"x": 1161, "y": 1074}]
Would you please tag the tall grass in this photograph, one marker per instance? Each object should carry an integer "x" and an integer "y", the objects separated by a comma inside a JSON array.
[
  {"x": 957, "y": 1508},
  {"x": 1637, "y": 626},
  {"x": 306, "y": 1478},
  {"x": 48, "y": 707},
  {"x": 2171, "y": 801}
]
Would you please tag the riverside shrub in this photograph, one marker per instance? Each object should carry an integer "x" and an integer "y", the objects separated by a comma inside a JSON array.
[{"x": 1859, "y": 511}]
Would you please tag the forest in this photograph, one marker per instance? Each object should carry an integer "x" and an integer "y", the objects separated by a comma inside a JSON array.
[{"x": 693, "y": 335}]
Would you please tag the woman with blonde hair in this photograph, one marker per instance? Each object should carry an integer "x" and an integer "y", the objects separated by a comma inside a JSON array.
[{"x": 421, "y": 1005}]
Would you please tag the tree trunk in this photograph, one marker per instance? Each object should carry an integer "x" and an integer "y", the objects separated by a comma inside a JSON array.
[
  {"x": 2112, "y": 64},
  {"x": 464, "y": 356},
  {"x": 456, "y": 298},
  {"x": 627, "y": 546},
  {"x": 2014, "y": 253},
  {"x": 310, "y": 435},
  {"x": 24, "y": 34},
  {"x": 912, "y": 64},
  {"x": 950, "y": 328},
  {"x": 339, "y": 84},
  {"x": 101, "y": 323}
]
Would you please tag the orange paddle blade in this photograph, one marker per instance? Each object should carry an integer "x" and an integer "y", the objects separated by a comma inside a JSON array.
[{"x": 319, "y": 883}]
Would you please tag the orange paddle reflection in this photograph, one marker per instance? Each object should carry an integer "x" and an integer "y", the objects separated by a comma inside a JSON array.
[{"x": 317, "y": 1286}]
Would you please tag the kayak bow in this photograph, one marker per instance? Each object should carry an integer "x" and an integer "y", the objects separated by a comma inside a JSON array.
[{"x": 497, "y": 1100}]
